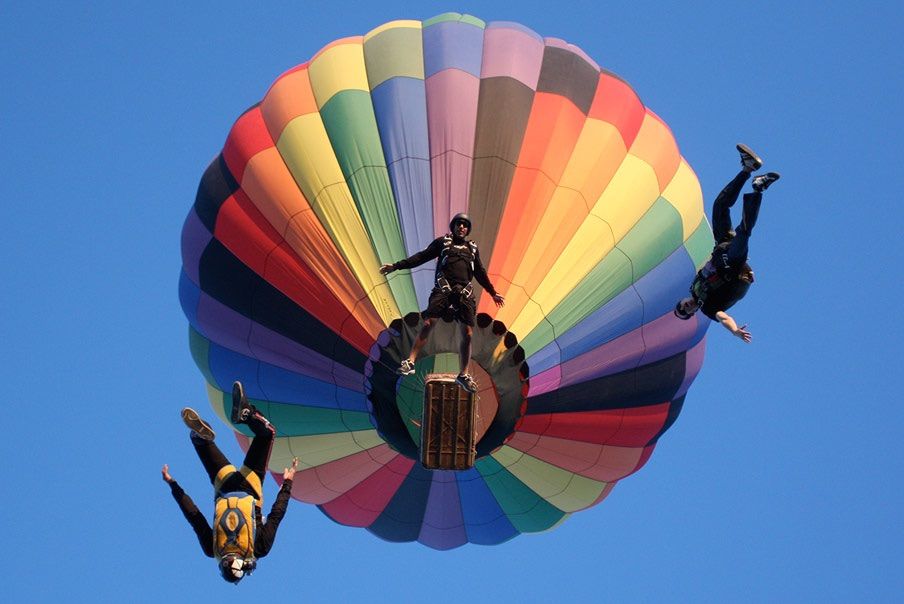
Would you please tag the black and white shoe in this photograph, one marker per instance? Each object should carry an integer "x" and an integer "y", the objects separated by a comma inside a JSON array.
[
  {"x": 467, "y": 382},
  {"x": 762, "y": 182},
  {"x": 406, "y": 368},
  {"x": 749, "y": 160},
  {"x": 197, "y": 425},
  {"x": 241, "y": 408}
]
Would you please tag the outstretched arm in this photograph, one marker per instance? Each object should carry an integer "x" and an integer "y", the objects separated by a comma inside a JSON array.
[
  {"x": 432, "y": 251},
  {"x": 267, "y": 531},
  {"x": 480, "y": 273},
  {"x": 191, "y": 512},
  {"x": 729, "y": 323}
]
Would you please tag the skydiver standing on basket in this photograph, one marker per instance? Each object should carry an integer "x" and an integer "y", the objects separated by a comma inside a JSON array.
[
  {"x": 727, "y": 276},
  {"x": 458, "y": 262},
  {"x": 239, "y": 535}
]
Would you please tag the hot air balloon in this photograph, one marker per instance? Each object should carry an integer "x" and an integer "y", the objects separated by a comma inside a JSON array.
[{"x": 588, "y": 219}]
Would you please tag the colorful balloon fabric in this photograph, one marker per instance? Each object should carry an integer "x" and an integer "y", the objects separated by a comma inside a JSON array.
[{"x": 588, "y": 220}]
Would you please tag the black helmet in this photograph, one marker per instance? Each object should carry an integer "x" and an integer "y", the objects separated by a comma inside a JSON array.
[
  {"x": 679, "y": 312},
  {"x": 460, "y": 218},
  {"x": 683, "y": 314}
]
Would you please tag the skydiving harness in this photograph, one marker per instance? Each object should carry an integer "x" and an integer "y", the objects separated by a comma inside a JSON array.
[
  {"x": 468, "y": 252},
  {"x": 443, "y": 285},
  {"x": 710, "y": 278}
]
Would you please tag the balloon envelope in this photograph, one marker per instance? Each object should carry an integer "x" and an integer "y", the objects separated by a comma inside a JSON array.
[{"x": 588, "y": 220}]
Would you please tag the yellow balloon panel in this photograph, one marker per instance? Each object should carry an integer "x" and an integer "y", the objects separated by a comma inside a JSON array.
[{"x": 336, "y": 68}]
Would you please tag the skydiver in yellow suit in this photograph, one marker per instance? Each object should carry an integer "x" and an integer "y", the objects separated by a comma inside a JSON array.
[{"x": 239, "y": 535}]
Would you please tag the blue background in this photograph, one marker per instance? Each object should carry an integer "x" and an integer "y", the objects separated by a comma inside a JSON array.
[{"x": 780, "y": 480}]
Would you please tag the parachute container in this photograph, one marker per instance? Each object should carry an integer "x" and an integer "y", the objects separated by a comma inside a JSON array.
[{"x": 588, "y": 220}]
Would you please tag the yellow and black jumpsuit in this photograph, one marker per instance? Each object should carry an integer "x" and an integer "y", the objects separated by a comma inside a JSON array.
[{"x": 238, "y": 526}]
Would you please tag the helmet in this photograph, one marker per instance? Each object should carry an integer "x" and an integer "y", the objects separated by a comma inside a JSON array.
[
  {"x": 233, "y": 568},
  {"x": 460, "y": 218},
  {"x": 680, "y": 312}
]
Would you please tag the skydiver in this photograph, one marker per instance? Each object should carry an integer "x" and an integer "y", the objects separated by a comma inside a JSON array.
[
  {"x": 240, "y": 535},
  {"x": 727, "y": 276},
  {"x": 458, "y": 262}
]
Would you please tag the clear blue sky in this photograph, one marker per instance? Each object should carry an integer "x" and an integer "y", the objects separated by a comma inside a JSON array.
[{"x": 780, "y": 480}]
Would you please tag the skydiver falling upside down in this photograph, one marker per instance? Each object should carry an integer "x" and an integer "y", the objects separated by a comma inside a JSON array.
[
  {"x": 239, "y": 535},
  {"x": 727, "y": 276},
  {"x": 458, "y": 262}
]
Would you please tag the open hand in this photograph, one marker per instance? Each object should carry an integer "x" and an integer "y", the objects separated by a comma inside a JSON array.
[
  {"x": 499, "y": 300},
  {"x": 289, "y": 473},
  {"x": 742, "y": 333}
]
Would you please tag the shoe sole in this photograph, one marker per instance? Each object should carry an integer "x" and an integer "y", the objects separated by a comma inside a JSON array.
[
  {"x": 196, "y": 424},
  {"x": 742, "y": 148},
  {"x": 403, "y": 372},
  {"x": 238, "y": 394}
]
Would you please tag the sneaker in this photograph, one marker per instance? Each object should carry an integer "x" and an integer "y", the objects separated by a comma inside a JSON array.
[
  {"x": 241, "y": 409},
  {"x": 467, "y": 382},
  {"x": 750, "y": 160},
  {"x": 762, "y": 182},
  {"x": 196, "y": 424},
  {"x": 406, "y": 368}
]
